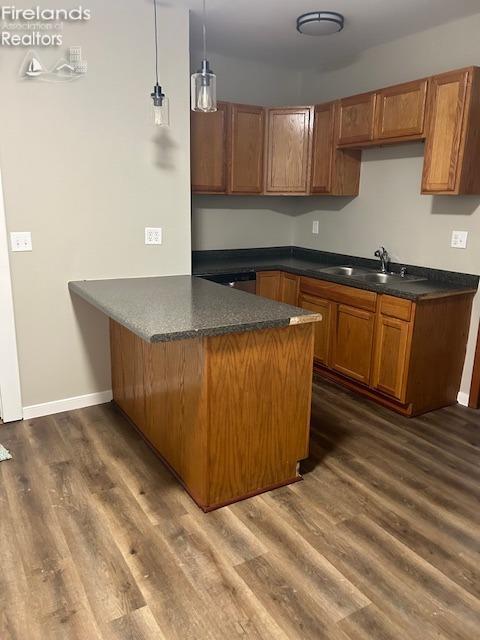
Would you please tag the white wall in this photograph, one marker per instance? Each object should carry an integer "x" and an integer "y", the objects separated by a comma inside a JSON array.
[
  {"x": 390, "y": 210},
  {"x": 235, "y": 222},
  {"x": 85, "y": 170}
]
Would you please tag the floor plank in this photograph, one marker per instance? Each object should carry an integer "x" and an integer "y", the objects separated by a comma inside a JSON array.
[{"x": 380, "y": 542}]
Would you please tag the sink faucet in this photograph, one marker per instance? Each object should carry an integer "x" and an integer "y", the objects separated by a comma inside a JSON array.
[{"x": 382, "y": 253}]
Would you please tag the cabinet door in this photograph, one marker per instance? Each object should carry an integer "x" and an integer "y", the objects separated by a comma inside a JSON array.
[
  {"x": 247, "y": 133},
  {"x": 447, "y": 103},
  {"x": 356, "y": 118},
  {"x": 352, "y": 342},
  {"x": 322, "y": 328},
  {"x": 400, "y": 110},
  {"x": 209, "y": 151},
  {"x": 288, "y": 150},
  {"x": 290, "y": 284},
  {"x": 322, "y": 150},
  {"x": 391, "y": 356},
  {"x": 269, "y": 285}
]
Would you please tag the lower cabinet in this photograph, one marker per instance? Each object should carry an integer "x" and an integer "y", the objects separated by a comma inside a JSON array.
[
  {"x": 289, "y": 288},
  {"x": 391, "y": 356},
  {"x": 352, "y": 342},
  {"x": 321, "y": 351},
  {"x": 408, "y": 356},
  {"x": 279, "y": 286},
  {"x": 268, "y": 284}
]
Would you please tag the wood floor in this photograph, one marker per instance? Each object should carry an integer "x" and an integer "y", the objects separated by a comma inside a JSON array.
[{"x": 381, "y": 540}]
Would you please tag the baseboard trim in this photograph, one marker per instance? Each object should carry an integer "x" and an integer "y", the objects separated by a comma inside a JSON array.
[
  {"x": 463, "y": 398},
  {"x": 66, "y": 404}
]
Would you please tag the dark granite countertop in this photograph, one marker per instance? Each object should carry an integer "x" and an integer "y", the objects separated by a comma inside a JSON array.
[
  {"x": 308, "y": 262},
  {"x": 176, "y": 307}
]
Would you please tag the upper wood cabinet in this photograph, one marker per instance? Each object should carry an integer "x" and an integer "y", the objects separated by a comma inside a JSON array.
[
  {"x": 356, "y": 118},
  {"x": 400, "y": 110},
  {"x": 209, "y": 150},
  {"x": 246, "y": 144},
  {"x": 243, "y": 149},
  {"x": 323, "y": 150},
  {"x": 452, "y": 150},
  {"x": 334, "y": 171},
  {"x": 288, "y": 150}
]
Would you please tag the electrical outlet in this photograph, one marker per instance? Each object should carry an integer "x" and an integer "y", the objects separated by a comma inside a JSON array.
[
  {"x": 315, "y": 227},
  {"x": 459, "y": 239},
  {"x": 153, "y": 235},
  {"x": 21, "y": 241}
]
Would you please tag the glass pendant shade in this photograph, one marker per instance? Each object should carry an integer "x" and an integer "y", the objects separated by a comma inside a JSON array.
[
  {"x": 204, "y": 89},
  {"x": 162, "y": 113},
  {"x": 161, "y": 108}
]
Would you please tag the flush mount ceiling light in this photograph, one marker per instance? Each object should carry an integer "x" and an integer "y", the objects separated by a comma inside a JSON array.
[{"x": 320, "y": 23}]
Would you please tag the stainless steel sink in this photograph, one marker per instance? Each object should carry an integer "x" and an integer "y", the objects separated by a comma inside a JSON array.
[
  {"x": 384, "y": 278},
  {"x": 369, "y": 275},
  {"x": 346, "y": 271}
]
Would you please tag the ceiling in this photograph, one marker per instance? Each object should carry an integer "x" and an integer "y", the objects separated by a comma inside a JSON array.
[{"x": 264, "y": 30}]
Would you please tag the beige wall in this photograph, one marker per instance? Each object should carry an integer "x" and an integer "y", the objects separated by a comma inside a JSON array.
[
  {"x": 390, "y": 210},
  {"x": 228, "y": 222},
  {"x": 237, "y": 221},
  {"x": 85, "y": 170}
]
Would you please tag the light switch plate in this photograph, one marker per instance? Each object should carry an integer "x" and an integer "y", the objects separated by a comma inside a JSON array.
[
  {"x": 21, "y": 241},
  {"x": 153, "y": 235},
  {"x": 315, "y": 227},
  {"x": 459, "y": 239}
]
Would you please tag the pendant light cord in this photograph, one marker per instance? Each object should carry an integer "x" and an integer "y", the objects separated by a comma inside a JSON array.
[
  {"x": 204, "y": 29},
  {"x": 156, "y": 39}
]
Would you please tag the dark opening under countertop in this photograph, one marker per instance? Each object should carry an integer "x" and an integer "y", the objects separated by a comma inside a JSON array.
[
  {"x": 309, "y": 262},
  {"x": 159, "y": 309}
]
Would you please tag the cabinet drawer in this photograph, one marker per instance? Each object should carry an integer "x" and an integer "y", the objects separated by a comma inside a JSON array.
[
  {"x": 339, "y": 293},
  {"x": 396, "y": 307}
]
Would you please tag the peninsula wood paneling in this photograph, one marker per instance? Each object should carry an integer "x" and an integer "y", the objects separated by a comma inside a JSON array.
[
  {"x": 259, "y": 394},
  {"x": 228, "y": 414}
]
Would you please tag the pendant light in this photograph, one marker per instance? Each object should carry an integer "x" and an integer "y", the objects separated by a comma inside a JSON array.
[
  {"x": 204, "y": 82},
  {"x": 160, "y": 100}
]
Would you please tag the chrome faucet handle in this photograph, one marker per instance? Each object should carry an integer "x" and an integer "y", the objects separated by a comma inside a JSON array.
[{"x": 403, "y": 272}]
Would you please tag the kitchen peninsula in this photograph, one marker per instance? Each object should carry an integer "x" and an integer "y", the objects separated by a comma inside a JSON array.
[{"x": 217, "y": 381}]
